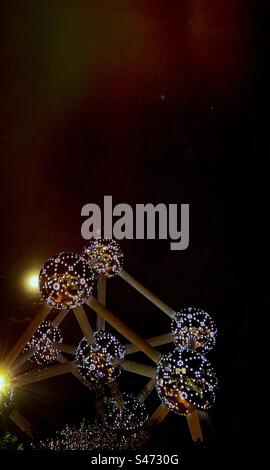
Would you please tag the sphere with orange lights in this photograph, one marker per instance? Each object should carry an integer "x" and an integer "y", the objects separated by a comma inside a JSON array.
[
  {"x": 130, "y": 416},
  {"x": 100, "y": 362},
  {"x": 104, "y": 256},
  {"x": 66, "y": 280},
  {"x": 43, "y": 342},
  {"x": 185, "y": 381},
  {"x": 194, "y": 328}
]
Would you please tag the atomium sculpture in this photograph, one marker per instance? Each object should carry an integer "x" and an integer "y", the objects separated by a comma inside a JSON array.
[{"x": 184, "y": 378}]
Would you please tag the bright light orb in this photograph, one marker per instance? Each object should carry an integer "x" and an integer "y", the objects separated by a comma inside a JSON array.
[
  {"x": 6, "y": 390},
  {"x": 104, "y": 256},
  {"x": 66, "y": 280},
  {"x": 185, "y": 381},
  {"x": 42, "y": 344},
  {"x": 128, "y": 416},
  {"x": 32, "y": 281},
  {"x": 100, "y": 362},
  {"x": 194, "y": 328}
]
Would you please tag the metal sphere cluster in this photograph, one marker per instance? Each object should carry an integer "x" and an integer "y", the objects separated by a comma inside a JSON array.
[
  {"x": 185, "y": 380},
  {"x": 100, "y": 362},
  {"x": 66, "y": 280},
  {"x": 104, "y": 256},
  {"x": 6, "y": 390},
  {"x": 42, "y": 343},
  {"x": 128, "y": 416},
  {"x": 195, "y": 329}
]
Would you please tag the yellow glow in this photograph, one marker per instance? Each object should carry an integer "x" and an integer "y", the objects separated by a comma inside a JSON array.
[
  {"x": 6, "y": 388},
  {"x": 3, "y": 383},
  {"x": 31, "y": 281}
]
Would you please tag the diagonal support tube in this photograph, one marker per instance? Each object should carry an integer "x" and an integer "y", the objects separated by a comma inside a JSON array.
[
  {"x": 146, "y": 293},
  {"x": 155, "y": 341},
  {"x": 22, "y": 423},
  {"x": 38, "y": 375},
  {"x": 62, "y": 360},
  {"x": 159, "y": 415},
  {"x": 60, "y": 317},
  {"x": 194, "y": 426},
  {"x": 147, "y": 389},
  {"x": 101, "y": 296},
  {"x": 27, "y": 335},
  {"x": 138, "y": 368},
  {"x": 84, "y": 324},
  {"x": 123, "y": 329}
]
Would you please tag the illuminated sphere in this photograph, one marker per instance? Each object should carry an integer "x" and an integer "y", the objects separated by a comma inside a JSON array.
[
  {"x": 65, "y": 280},
  {"x": 42, "y": 343},
  {"x": 6, "y": 390},
  {"x": 185, "y": 381},
  {"x": 105, "y": 256},
  {"x": 128, "y": 416},
  {"x": 195, "y": 329},
  {"x": 100, "y": 362}
]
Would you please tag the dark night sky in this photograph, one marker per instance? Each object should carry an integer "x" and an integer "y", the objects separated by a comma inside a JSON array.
[{"x": 148, "y": 102}]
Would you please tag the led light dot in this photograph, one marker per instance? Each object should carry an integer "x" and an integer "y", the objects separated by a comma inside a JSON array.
[
  {"x": 66, "y": 280},
  {"x": 104, "y": 256},
  {"x": 195, "y": 329},
  {"x": 185, "y": 380}
]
